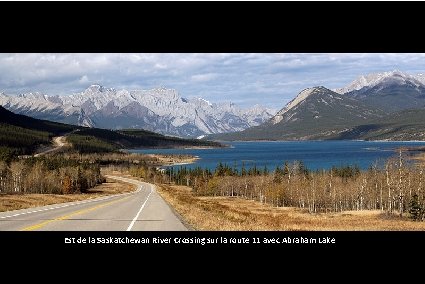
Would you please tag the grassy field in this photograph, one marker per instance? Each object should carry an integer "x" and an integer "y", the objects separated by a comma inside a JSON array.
[
  {"x": 21, "y": 201},
  {"x": 228, "y": 214}
]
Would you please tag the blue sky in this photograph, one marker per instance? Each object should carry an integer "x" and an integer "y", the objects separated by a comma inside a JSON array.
[{"x": 245, "y": 79}]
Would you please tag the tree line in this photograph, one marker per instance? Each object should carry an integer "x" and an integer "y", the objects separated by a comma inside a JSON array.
[
  {"x": 55, "y": 175},
  {"x": 16, "y": 141},
  {"x": 114, "y": 158},
  {"x": 397, "y": 187}
]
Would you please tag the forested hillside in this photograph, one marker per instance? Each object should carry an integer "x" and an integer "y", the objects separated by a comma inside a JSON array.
[
  {"x": 95, "y": 140},
  {"x": 21, "y": 135}
]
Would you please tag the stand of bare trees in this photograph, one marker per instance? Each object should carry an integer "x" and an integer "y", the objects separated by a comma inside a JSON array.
[
  {"x": 390, "y": 188},
  {"x": 46, "y": 175}
]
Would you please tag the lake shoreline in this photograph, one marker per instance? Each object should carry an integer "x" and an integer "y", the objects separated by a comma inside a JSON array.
[
  {"x": 330, "y": 140},
  {"x": 129, "y": 150},
  {"x": 174, "y": 160},
  {"x": 315, "y": 155}
]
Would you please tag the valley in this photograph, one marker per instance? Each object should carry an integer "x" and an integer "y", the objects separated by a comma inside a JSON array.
[{"x": 90, "y": 146}]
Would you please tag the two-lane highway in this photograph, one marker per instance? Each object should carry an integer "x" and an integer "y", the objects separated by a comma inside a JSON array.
[{"x": 142, "y": 210}]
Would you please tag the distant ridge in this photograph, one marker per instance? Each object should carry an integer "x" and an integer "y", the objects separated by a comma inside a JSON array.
[
  {"x": 161, "y": 110},
  {"x": 381, "y": 106}
]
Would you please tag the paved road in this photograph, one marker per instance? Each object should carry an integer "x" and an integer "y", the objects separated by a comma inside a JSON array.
[{"x": 142, "y": 210}]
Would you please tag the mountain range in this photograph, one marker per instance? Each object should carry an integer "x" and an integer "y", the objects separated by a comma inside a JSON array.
[
  {"x": 20, "y": 134},
  {"x": 389, "y": 105},
  {"x": 161, "y": 110}
]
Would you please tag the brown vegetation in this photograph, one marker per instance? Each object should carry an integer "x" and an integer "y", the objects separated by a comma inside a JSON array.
[
  {"x": 116, "y": 158},
  {"x": 390, "y": 189},
  {"x": 128, "y": 159},
  {"x": 230, "y": 213},
  {"x": 173, "y": 159},
  {"x": 21, "y": 201},
  {"x": 48, "y": 175},
  {"x": 390, "y": 197},
  {"x": 48, "y": 179}
]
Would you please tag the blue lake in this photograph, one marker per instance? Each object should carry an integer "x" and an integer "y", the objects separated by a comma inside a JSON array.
[{"x": 314, "y": 154}]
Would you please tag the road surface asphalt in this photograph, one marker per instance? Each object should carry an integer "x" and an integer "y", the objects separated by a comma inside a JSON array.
[{"x": 142, "y": 210}]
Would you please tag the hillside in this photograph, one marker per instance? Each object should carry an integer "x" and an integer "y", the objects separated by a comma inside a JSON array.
[
  {"x": 392, "y": 91},
  {"x": 88, "y": 140},
  {"x": 378, "y": 106},
  {"x": 402, "y": 126},
  {"x": 316, "y": 113},
  {"x": 18, "y": 120},
  {"x": 20, "y": 135}
]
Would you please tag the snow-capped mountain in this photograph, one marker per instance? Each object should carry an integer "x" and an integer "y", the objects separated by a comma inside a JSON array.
[
  {"x": 390, "y": 91},
  {"x": 391, "y": 77},
  {"x": 315, "y": 113},
  {"x": 387, "y": 105},
  {"x": 161, "y": 110}
]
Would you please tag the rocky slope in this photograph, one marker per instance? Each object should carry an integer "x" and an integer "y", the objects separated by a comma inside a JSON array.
[{"x": 160, "y": 110}]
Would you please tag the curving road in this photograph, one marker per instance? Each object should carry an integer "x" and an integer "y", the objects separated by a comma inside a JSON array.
[
  {"x": 58, "y": 143},
  {"x": 142, "y": 210}
]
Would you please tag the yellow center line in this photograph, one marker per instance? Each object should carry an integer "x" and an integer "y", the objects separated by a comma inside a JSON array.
[{"x": 65, "y": 217}]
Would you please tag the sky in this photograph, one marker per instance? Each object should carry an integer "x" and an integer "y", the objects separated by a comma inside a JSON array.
[{"x": 271, "y": 80}]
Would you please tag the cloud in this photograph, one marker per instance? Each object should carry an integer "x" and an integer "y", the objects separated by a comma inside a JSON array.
[
  {"x": 203, "y": 77},
  {"x": 245, "y": 78},
  {"x": 84, "y": 80}
]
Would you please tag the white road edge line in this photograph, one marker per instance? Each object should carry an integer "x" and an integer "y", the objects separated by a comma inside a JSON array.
[
  {"x": 76, "y": 203},
  {"x": 140, "y": 210},
  {"x": 58, "y": 207}
]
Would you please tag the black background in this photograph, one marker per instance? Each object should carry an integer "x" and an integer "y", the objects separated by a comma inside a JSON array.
[
  {"x": 211, "y": 26},
  {"x": 214, "y": 27}
]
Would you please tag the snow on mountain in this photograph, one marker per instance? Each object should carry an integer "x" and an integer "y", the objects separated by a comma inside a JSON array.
[
  {"x": 207, "y": 102},
  {"x": 374, "y": 79},
  {"x": 315, "y": 113},
  {"x": 162, "y": 110},
  {"x": 421, "y": 78},
  {"x": 389, "y": 91}
]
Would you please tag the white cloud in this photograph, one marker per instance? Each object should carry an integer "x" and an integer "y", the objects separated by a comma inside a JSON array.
[
  {"x": 84, "y": 80},
  {"x": 268, "y": 79},
  {"x": 203, "y": 77}
]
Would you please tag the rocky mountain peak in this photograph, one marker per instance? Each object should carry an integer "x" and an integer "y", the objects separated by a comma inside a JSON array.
[
  {"x": 162, "y": 110},
  {"x": 374, "y": 79},
  {"x": 95, "y": 88}
]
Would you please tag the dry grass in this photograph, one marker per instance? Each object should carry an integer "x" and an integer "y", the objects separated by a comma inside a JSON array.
[
  {"x": 420, "y": 158},
  {"x": 228, "y": 214},
  {"x": 173, "y": 159},
  {"x": 21, "y": 201}
]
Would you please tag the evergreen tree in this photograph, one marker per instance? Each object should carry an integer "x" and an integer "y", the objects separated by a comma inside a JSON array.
[
  {"x": 265, "y": 171},
  {"x": 415, "y": 209},
  {"x": 278, "y": 173},
  {"x": 243, "y": 171}
]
